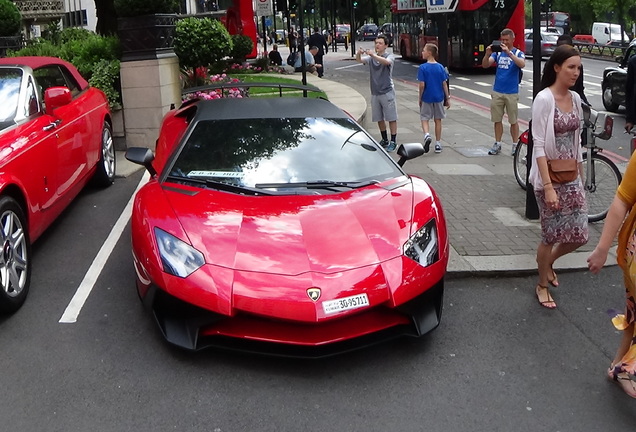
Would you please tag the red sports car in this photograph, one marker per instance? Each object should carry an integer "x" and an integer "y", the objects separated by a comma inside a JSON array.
[
  {"x": 55, "y": 135},
  {"x": 280, "y": 226}
]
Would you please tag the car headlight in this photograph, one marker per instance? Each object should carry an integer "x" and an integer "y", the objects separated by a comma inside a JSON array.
[
  {"x": 423, "y": 246},
  {"x": 178, "y": 257}
]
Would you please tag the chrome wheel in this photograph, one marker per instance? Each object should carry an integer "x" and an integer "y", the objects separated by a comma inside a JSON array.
[
  {"x": 105, "y": 172},
  {"x": 15, "y": 271},
  {"x": 608, "y": 99}
]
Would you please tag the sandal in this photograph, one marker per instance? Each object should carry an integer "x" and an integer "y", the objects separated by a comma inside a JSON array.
[
  {"x": 549, "y": 303},
  {"x": 554, "y": 281},
  {"x": 624, "y": 380}
]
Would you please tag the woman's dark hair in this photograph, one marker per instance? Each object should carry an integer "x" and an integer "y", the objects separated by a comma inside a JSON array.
[{"x": 558, "y": 57}]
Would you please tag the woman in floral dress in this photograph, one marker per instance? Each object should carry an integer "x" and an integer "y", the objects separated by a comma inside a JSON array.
[
  {"x": 556, "y": 126},
  {"x": 624, "y": 362}
]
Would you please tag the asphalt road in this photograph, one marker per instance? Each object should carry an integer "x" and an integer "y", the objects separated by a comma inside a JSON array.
[{"x": 498, "y": 362}]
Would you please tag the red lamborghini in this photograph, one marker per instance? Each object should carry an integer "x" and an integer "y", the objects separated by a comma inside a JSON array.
[
  {"x": 55, "y": 135},
  {"x": 280, "y": 226}
]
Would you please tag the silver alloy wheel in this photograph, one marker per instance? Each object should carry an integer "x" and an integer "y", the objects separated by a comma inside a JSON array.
[
  {"x": 108, "y": 152},
  {"x": 14, "y": 258}
]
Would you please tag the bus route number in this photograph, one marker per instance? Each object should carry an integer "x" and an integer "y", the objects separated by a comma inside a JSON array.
[{"x": 500, "y": 4}]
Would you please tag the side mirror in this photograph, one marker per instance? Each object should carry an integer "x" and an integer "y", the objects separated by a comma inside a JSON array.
[
  {"x": 55, "y": 97},
  {"x": 409, "y": 151},
  {"x": 608, "y": 126},
  {"x": 142, "y": 156}
]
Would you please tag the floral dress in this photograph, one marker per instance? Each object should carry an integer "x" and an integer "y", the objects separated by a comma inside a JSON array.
[{"x": 568, "y": 224}]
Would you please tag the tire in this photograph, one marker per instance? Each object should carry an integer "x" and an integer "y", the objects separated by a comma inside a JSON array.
[
  {"x": 601, "y": 192},
  {"x": 519, "y": 164},
  {"x": 105, "y": 172},
  {"x": 15, "y": 258},
  {"x": 608, "y": 99}
]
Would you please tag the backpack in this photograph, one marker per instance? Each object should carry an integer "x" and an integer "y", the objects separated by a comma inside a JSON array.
[{"x": 291, "y": 59}]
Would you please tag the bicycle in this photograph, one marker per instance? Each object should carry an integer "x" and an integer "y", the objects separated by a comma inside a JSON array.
[{"x": 602, "y": 176}]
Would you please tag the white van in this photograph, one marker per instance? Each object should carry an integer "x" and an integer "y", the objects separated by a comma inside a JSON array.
[{"x": 605, "y": 33}]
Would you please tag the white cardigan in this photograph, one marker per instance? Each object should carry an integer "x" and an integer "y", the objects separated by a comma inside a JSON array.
[{"x": 543, "y": 133}]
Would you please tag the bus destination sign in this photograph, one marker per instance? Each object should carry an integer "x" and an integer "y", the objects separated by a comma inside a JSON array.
[{"x": 439, "y": 6}]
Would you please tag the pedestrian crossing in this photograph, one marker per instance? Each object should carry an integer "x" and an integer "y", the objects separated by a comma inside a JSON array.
[{"x": 592, "y": 85}]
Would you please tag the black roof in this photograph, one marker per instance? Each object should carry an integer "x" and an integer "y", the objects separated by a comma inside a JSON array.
[{"x": 277, "y": 107}]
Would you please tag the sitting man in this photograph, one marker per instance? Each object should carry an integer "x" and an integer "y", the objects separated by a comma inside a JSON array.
[
  {"x": 274, "y": 56},
  {"x": 310, "y": 62}
]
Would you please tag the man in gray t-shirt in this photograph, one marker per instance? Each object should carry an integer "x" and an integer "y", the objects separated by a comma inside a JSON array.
[{"x": 383, "y": 105}]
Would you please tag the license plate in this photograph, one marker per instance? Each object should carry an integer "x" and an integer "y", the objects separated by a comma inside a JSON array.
[{"x": 347, "y": 303}]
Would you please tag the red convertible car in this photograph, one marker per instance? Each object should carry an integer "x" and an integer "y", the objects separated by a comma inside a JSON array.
[
  {"x": 280, "y": 226},
  {"x": 55, "y": 135}
]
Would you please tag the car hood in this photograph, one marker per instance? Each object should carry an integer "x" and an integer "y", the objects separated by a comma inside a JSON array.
[{"x": 297, "y": 234}]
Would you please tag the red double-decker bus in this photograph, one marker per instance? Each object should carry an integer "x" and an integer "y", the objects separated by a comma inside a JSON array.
[{"x": 471, "y": 28}]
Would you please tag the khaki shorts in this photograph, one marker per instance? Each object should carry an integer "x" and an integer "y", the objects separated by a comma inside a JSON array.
[
  {"x": 383, "y": 107},
  {"x": 500, "y": 101}
]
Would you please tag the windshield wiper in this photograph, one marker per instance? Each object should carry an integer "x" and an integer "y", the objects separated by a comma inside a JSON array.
[
  {"x": 317, "y": 184},
  {"x": 212, "y": 184}
]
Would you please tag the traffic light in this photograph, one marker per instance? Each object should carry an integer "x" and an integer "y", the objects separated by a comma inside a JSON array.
[
  {"x": 355, "y": 4},
  {"x": 293, "y": 5},
  {"x": 281, "y": 5},
  {"x": 311, "y": 4}
]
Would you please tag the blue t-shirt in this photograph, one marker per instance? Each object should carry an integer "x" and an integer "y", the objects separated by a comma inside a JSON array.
[
  {"x": 433, "y": 75},
  {"x": 507, "y": 75}
]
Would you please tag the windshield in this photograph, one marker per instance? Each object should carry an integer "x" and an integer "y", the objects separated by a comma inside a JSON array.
[
  {"x": 253, "y": 152},
  {"x": 10, "y": 80},
  {"x": 342, "y": 29}
]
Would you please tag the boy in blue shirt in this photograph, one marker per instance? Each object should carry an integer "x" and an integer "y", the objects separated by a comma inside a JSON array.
[
  {"x": 433, "y": 91},
  {"x": 505, "y": 94}
]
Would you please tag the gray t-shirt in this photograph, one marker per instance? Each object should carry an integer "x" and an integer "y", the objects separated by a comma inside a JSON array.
[{"x": 380, "y": 75}]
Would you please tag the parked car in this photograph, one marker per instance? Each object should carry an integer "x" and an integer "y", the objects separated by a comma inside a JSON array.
[
  {"x": 615, "y": 80},
  {"x": 343, "y": 33},
  {"x": 548, "y": 43},
  {"x": 367, "y": 32},
  {"x": 387, "y": 29},
  {"x": 55, "y": 135},
  {"x": 279, "y": 225}
]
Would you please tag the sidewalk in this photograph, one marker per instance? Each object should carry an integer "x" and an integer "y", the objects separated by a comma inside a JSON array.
[{"x": 484, "y": 206}]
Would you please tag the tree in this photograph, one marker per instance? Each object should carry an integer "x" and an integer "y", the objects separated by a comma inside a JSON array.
[{"x": 106, "y": 17}]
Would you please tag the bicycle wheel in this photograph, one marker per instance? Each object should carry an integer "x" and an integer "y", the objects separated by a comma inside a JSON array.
[
  {"x": 519, "y": 164},
  {"x": 602, "y": 188}
]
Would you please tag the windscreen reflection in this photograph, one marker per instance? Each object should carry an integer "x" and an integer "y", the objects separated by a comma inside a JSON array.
[
  {"x": 247, "y": 152},
  {"x": 9, "y": 95}
]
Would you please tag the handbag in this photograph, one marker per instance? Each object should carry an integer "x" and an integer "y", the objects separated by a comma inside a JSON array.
[{"x": 563, "y": 170}]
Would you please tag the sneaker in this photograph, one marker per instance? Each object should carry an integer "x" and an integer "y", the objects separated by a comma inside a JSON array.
[
  {"x": 384, "y": 143},
  {"x": 495, "y": 150},
  {"x": 427, "y": 143},
  {"x": 438, "y": 147},
  {"x": 391, "y": 147},
  {"x": 514, "y": 148}
]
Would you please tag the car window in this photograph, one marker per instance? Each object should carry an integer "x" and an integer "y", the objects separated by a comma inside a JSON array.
[
  {"x": 54, "y": 76},
  {"x": 32, "y": 106},
  {"x": 551, "y": 38},
  {"x": 10, "y": 80},
  {"x": 246, "y": 152}
]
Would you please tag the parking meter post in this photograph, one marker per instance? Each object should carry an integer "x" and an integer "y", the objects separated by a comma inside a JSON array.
[{"x": 532, "y": 209}]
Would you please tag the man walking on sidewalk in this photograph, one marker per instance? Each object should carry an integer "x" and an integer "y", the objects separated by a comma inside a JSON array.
[
  {"x": 505, "y": 94},
  {"x": 383, "y": 104}
]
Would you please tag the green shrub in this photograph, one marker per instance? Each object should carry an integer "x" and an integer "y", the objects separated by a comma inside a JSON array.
[
  {"x": 133, "y": 8},
  {"x": 201, "y": 42},
  {"x": 95, "y": 57},
  {"x": 9, "y": 18},
  {"x": 242, "y": 46},
  {"x": 105, "y": 74}
]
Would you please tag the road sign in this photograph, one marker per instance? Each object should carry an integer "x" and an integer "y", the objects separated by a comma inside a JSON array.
[
  {"x": 439, "y": 6},
  {"x": 264, "y": 8}
]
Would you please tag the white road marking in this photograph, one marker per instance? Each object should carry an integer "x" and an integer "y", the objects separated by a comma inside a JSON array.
[
  {"x": 86, "y": 286},
  {"x": 482, "y": 94},
  {"x": 348, "y": 66}
]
